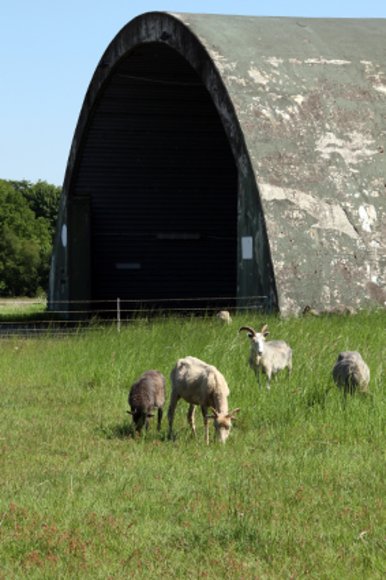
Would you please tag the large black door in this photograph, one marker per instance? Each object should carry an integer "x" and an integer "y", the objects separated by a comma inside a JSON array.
[{"x": 163, "y": 186}]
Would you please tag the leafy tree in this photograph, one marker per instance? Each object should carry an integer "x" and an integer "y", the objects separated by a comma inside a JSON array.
[
  {"x": 25, "y": 238},
  {"x": 43, "y": 198}
]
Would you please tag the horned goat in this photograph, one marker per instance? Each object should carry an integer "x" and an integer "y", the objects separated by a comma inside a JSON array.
[
  {"x": 147, "y": 394},
  {"x": 199, "y": 383},
  {"x": 351, "y": 373},
  {"x": 269, "y": 357}
]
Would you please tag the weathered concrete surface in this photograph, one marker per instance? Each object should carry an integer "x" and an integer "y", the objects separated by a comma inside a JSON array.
[
  {"x": 310, "y": 96},
  {"x": 303, "y": 103}
]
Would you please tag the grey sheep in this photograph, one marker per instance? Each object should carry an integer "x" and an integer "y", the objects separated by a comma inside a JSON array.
[
  {"x": 269, "y": 357},
  {"x": 147, "y": 394},
  {"x": 201, "y": 384},
  {"x": 351, "y": 373}
]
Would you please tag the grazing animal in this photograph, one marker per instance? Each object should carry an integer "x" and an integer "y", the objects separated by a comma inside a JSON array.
[
  {"x": 340, "y": 309},
  {"x": 201, "y": 384},
  {"x": 351, "y": 373},
  {"x": 311, "y": 311},
  {"x": 147, "y": 394},
  {"x": 224, "y": 316},
  {"x": 269, "y": 357}
]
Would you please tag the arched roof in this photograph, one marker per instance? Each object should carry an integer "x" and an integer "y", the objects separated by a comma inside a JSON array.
[{"x": 303, "y": 104}]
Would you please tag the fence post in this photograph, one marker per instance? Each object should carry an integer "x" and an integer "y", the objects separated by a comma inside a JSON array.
[{"x": 119, "y": 314}]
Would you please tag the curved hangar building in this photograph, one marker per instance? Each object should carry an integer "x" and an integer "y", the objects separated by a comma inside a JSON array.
[{"x": 226, "y": 156}]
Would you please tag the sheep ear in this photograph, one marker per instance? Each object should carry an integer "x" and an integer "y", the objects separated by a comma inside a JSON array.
[
  {"x": 264, "y": 330},
  {"x": 214, "y": 416},
  {"x": 233, "y": 413},
  {"x": 129, "y": 412}
]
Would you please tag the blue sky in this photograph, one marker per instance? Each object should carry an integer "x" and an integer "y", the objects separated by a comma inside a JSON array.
[{"x": 49, "y": 50}]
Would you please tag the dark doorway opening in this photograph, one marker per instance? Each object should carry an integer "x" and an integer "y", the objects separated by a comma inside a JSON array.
[{"x": 162, "y": 181}]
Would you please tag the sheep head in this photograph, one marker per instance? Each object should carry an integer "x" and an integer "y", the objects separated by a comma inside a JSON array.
[
  {"x": 224, "y": 316},
  {"x": 223, "y": 423},
  {"x": 257, "y": 338},
  {"x": 140, "y": 418}
]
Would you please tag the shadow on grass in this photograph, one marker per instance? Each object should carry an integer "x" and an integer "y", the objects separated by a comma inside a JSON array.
[
  {"x": 122, "y": 430},
  {"x": 317, "y": 397},
  {"x": 126, "y": 430}
]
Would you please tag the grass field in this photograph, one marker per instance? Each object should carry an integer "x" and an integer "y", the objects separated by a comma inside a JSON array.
[
  {"x": 297, "y": 491},
  {"x": 19, "y": 309}
]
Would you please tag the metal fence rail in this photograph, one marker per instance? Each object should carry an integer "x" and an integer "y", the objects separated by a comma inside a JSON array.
[{"x": 18, "y": 317}]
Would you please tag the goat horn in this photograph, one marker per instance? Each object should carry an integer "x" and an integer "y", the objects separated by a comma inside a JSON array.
[{"x": 249, "y": 329}]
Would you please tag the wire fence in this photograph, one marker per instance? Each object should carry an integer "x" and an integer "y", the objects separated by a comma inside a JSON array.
[{"x": 28, "y": 317}]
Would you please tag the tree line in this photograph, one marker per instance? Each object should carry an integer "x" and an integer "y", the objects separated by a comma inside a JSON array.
[{"x": 28, "y": 214}]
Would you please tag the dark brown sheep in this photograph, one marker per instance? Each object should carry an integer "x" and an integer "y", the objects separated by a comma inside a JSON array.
[{"x": 147, "y": 394}]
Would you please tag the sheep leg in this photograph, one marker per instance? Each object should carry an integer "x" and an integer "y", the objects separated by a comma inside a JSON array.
[
  {"x": 289, "y": 367},
  {"x": 159, "y": 418},
  {"x": 172, "y": 407},
  {"x": 191, "y": 420},
  {"x": 204, "y": 411}
]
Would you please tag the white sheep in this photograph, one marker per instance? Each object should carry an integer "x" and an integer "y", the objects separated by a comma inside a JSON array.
[
  {"x": 147, "y": 394},
  {"x": 270, "y": 357},
  {"x": 201, "y": 384},
  {"x": 224, "y": 316},
  {"x": 351, "y": 373}
]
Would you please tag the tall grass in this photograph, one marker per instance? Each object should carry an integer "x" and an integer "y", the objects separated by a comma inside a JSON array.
[{"x": 297, "y": 491}]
